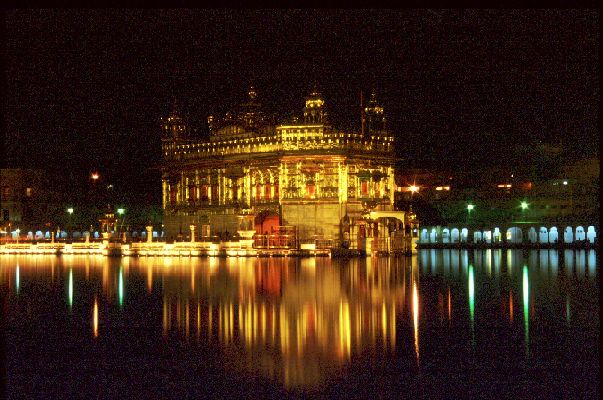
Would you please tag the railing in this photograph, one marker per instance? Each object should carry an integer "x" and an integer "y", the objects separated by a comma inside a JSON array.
[{"x": 275, "y": 241}]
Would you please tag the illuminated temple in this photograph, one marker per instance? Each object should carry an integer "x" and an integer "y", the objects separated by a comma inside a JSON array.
[{"x": 304, "y": 177}]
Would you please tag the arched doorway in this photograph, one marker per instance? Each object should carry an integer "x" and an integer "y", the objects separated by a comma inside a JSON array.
[{"x": 266, "y": 221}]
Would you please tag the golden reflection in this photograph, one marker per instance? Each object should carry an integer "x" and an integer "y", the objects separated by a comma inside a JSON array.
[
  {"x": 150, "y": 278},
  {"x": 511, "y": 307},
  {"x": 449, "y": 305},
  {"x": 95, "y": 318},
  {"x": 293, "y": 319},
  {"x": 297, "y": 316},
  {"x": 415, "y": 317}
]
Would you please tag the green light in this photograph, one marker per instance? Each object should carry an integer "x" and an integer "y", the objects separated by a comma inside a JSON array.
[
  {"x": 470, "y": 207},
  {"x": 472, "y": 302},
  {"x": 70, "y": 210},
  {"x": 120, "y": 211},
  {"x": 70, "y": 288},
  {"x": 524, "y": 205},
  {"x": 17, "y": 279},
  {"x": 121, "y": 286},
  {"x": 526, "y": 303},
  {"x": 471, "y": 292}
]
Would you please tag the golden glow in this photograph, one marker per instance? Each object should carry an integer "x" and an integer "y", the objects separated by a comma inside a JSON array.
[
  {"x": 511, "y": 307},
  {"x": 504, "y": 185},
  {"x": 415, "y": 317},
  {"x": 449, "y": 305},
  {"x": 295, "y": 315},
  {"x": 94, "y": 176},
  {"x": 413, "y": 188},
  {"x": 95, "y": 319},
  {"x": 442, "y": 188}
]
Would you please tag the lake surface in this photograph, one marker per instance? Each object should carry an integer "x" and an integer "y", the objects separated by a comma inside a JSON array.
[{"x": 442, "y": 324}]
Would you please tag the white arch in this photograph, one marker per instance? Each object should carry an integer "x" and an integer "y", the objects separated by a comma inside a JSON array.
[
  {"x": 543, "y": 235},
  {"x": 445, "y": 235},
  {"x": 514, "y": 235},
  {"x": 591, "y": 235},
  {"x": 496, "y": 236},
  {"x": 532, "y": 235},
  {"x": 568, "y": 235},
  {"x": 580, "y": 234},
  {"x": 454, "y": 235},
  {"x": 553, "y": 235},
  {"x": 433, "y": 236}
]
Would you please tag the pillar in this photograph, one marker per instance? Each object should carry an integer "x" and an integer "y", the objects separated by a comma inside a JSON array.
[
  {"x": 192, "y": 227},
  {"x": 149, "y": 229}
]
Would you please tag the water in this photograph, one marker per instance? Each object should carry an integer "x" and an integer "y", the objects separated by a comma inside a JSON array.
[{"x": 444, "y": 324}]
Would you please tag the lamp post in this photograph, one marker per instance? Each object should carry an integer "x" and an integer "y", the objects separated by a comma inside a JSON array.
[
  {"x": 70, "y": 227},
  {"x": 470, "y": 207},
  {"x": 524, "y": 206},
  {"x": 121, "y": 212}
]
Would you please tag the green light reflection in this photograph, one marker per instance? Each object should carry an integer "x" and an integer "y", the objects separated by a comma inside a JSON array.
[
  {"x": 121, "y": 285},
  {"x": 526, "y": 304},
  {"x": 17, "y": 279},
  {"x": 472, "y": 302},
  {"x": 70, "y": 288}
]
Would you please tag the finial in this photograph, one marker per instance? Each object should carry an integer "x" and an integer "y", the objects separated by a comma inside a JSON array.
[{"x": 252, "y": 93}]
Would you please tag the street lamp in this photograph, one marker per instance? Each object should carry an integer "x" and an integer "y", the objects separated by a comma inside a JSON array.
[
  {"x": 70, "y": 212},
  {"x": 524, "y": 207},
  {"x": 120, "y": 212},
  {"x": 470, "y": 208}
]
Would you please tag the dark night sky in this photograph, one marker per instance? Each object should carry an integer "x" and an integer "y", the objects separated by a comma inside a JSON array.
[{"x": 86, "y": 88}]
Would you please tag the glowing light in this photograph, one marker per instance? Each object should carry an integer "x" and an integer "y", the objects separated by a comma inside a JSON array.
[
  {"x": 70, "y": 288},
  {"x": 95, "y": 319},
  {"x": 524, "y": 205},
  {"x": 94, "y": 176},
  {"x": 442, "y": 188},
  {"x": 471, "y": 295},
  {"x": 511, "y": 307},
  {"x": 526, "y": 303},
  {"x": 565, "y": 182},
  {"x": 414, "y": 188},
  {"x": 121, "y": 211},
  {"x": 470, "y": 207},
  {"x": 121, "y": 286},
  {"x": 415, "y": 317},
  {"x": 70, "y": 210},
  {"x": 17, "y": 279}
]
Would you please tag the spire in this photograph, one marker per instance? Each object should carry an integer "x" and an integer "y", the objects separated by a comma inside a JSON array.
[
  {"x": 252, "y": 93},
  {"x": 373, "y": 112},
  {"x": 314, "y": 112},
  {"x": 173, "y": 125}
]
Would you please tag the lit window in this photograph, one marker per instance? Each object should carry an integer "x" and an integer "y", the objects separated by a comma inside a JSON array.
[{"x": 28, "y": 192}]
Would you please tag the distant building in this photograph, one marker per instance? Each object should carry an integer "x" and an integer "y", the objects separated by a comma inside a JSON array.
[
  {"x": 21, "y": 193},
  {"x": 253, "y": 174},
  {"x": 570, "y": 198}
]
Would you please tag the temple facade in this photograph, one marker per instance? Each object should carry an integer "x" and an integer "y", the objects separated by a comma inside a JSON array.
[{"x": 304, "y": 177}]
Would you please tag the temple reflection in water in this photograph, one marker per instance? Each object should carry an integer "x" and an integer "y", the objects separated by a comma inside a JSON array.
[
  {"x": 297, "y": 318},
  {"x": 299, "y": 321}
]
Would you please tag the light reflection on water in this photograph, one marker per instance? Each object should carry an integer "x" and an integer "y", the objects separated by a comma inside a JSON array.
[{"x": 299, "y": 321}]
